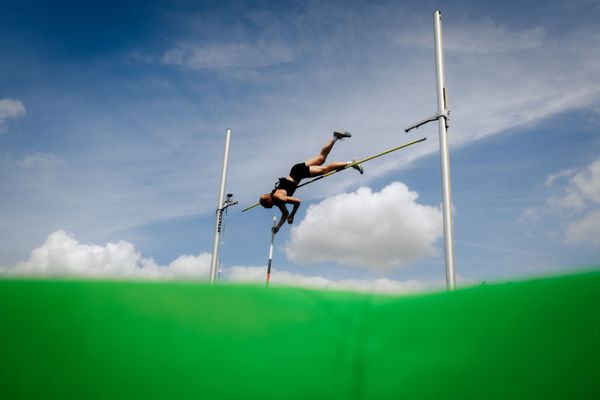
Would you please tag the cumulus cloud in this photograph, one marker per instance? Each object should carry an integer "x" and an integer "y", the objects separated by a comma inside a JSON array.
[
  {"x": 380, "y": 230},
  {"x": 62, "y": 255},
  {"x": 284, "y": 278},
  {"x": 10, "y": 109},
  {"x": 578, "y": 204}
]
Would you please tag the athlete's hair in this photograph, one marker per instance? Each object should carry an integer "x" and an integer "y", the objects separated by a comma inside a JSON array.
[{"x": 266, "y": 200}]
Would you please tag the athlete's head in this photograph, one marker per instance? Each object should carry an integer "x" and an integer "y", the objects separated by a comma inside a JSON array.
[{"x": 266, "y": 200}]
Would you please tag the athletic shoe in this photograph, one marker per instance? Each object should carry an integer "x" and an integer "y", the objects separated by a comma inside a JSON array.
[
  {"x": 341, "y": 134},
  {"x": 358, "y": 167}
]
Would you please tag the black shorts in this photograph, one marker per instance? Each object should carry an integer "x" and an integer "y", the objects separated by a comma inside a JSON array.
[{"x": 299, "y": 172}]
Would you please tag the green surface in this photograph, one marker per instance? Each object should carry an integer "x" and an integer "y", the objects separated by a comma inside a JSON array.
[{"x": 71, "y": 339}]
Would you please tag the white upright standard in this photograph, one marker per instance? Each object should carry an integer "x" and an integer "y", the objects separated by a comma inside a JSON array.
[
  {"x": 219, "y": 213},
  {"x": 442, "y": 117},
  {"x": 444, "y": 155}
]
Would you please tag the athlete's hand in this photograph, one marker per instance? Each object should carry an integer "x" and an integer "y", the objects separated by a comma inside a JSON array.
[
  {"x": 290, "y": 219},
  {"x": 274, "y": 229}
]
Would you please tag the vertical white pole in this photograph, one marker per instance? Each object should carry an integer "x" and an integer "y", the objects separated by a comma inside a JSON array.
[
  {"x": 444, "y": 157},
  {"x": 219, "y": 213}
]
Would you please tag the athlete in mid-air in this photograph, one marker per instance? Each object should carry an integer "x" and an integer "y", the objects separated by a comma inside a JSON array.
[{"x": 285, "y": 188}]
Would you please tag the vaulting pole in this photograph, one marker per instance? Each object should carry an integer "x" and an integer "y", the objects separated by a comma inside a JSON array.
[
  {"x": 444, "y": 156},
  {"x": 271, "y": 251},
  {"x": 364, "y": 160},
  {"x": 219, "y": 213}
]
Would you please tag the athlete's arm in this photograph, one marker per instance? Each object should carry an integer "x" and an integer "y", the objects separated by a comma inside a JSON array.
[
  {"x": 296, "y": 206},
  {"x": 284, "y": 215},
  {"x": 281, "y": 200}
]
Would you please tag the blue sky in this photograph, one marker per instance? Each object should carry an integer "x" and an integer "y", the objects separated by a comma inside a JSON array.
[{"x": 112, "y": 121}]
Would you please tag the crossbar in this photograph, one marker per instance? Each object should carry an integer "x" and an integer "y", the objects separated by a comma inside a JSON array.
[{"x": 364, "y": 160}]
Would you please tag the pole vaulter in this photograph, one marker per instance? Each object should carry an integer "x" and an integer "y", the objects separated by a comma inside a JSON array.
[{"x": 354, "y": 164}]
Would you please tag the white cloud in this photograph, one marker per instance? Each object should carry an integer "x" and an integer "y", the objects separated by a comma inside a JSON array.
[
  {"x": 62, "y": 255},
  {"x": 577, "y": 207},
  {"x": 190, "y": 266},
  {"x": 570, "y": 200},
  {"x": 585, "y": 230},
  {"x": 582, "y": 189},
  {"x": 43, "y": 162},
  {"x": 555, "y": 177},
  {"x": 493, "y": 38},
  {"x": 284, "y": 278},
  {"x": 381, "y": 230},
  {"x": 247, "y": 55},
  {"x": 582, "y": 195},
  {"x": 587, "y": 182},
  {"x": 10, "y": 109},
  {"x": 485, "y": 37},
  {"x": 530, "y": 214}
]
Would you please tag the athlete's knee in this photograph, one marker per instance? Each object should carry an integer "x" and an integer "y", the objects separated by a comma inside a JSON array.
[{"x": 316, "y": 170}]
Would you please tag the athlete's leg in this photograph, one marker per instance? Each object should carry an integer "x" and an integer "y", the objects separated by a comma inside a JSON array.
[
  {"x": 315, "y": 164},
  {"x": 316, "y": 170},
  {"x": 320, "y": 159}
]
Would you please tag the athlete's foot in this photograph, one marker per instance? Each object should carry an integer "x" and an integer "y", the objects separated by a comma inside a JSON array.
[
  {"x": 358, "y": 167},
  {"x": 340, "y": 135}
]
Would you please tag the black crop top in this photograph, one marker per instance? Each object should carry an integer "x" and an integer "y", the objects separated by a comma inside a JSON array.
[{"x": 287, "y": 185}]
